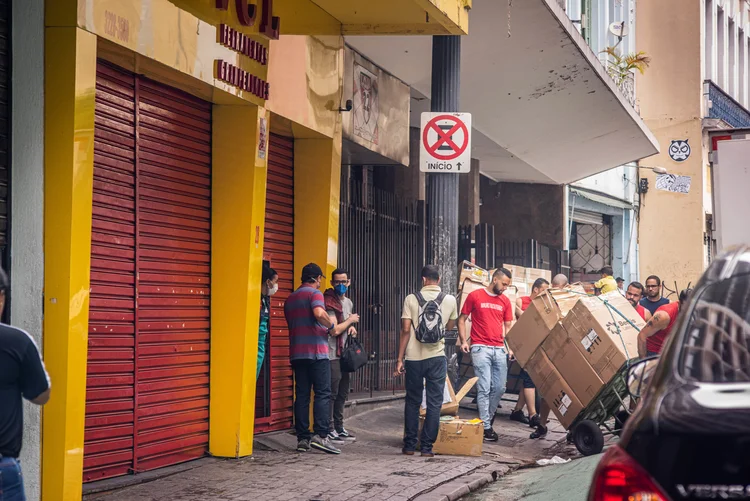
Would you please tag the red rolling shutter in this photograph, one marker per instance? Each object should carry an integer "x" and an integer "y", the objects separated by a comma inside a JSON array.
[
  {"x": 278, "y": 248},
  {"x": 149, "y": 317},
  {"x": 108, "y": 449}
]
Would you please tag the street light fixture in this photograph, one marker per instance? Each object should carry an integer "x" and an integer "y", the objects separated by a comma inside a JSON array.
[{"x": 643, "y": 182}]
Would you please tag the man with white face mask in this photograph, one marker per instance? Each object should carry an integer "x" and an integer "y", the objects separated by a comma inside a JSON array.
[{"x": 269, "y": 287}]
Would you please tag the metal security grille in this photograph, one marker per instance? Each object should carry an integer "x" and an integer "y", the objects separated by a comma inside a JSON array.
[
  {"x": 381, "y": 244},
  {"x": 593, "y": 248},
  {"x": 149, "y": 315},
  {"x": 275, "y": 390}
]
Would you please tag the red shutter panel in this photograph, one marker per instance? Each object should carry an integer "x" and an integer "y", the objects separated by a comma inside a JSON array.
[
  {"x": 108, "y": 441},
  {"x": 149, "y": 316},
  {"x": 278, "y": 248},
  {"x": 174, "y": 270}
]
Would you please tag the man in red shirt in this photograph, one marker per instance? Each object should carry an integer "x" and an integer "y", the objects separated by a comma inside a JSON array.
[
  {"x": 652, "y": 336},
  {"x": 634, "y": 294},
  {"x": 491, "y": 315}
]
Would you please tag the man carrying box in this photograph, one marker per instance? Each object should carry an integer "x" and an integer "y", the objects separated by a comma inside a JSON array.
[{"x": 491, "y": 316}]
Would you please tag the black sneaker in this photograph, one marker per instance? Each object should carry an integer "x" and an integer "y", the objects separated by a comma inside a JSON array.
[
  {"x": 540, "y": 432},
  {"x": 534, "y": 421},
  {"x": 345, "y": 436},
  {"x": 323, "y": 444},
  {"x": 490, "y": 435},
  {"x": 303, "y": 445},
  {"x": 519, "y": 417}
]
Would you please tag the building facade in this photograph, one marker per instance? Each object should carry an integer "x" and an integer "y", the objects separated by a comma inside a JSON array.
[
  {"x": 681, "y": 101},
  {"x": 159, "y": 152}
]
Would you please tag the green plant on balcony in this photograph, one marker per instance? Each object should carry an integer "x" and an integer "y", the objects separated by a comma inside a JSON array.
[{"x": 620, "y": 66}]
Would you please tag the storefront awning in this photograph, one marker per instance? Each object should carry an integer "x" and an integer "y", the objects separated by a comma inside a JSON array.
[
  {"x": 368, "y": 17},
  {"x": 543, "y": 106},
  {"x": 602, "y": 199}
]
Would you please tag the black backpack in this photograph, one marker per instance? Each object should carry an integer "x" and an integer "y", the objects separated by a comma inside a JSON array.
[{"x": 430, "y": 328}]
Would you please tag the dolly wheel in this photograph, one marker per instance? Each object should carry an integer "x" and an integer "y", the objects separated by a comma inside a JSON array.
[{"x": 588, "y": 438}]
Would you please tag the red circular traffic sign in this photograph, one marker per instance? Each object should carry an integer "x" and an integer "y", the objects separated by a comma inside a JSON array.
[{"x": 445, "y": 137}]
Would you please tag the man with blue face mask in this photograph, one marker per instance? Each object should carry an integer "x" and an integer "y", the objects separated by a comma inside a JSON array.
[{"x": 339, "y": 308}]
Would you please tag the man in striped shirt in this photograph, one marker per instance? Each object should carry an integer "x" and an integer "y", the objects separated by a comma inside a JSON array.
[{"x": 309, "y": 325}]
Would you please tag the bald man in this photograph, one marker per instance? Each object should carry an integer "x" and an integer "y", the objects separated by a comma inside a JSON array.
[{"x": 559, "y": 281}]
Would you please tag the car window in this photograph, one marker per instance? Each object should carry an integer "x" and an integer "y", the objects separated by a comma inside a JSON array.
[{"x": 716, "y": 346}]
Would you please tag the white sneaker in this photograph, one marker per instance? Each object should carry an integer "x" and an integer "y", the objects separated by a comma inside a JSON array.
[{"x": 345, "y": 436}]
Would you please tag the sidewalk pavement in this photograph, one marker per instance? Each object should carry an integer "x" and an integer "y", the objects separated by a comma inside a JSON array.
[{"x": 372, "y": 468}]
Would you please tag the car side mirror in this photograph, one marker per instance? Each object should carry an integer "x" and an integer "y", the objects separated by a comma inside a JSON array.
[{"x": 640, "y": 375}]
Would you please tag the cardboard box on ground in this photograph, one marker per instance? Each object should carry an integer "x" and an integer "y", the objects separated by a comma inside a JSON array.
[
  {"x": 456, "y": 436},
  {"x": 571, "y": 346}
]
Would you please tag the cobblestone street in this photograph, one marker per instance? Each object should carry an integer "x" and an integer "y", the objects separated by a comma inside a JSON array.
[{"x": 371, "y": 468}]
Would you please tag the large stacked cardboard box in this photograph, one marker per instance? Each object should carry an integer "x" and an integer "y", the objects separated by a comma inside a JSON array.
[
  {"x": 572, "y": 345},
  {"x": 456, "y": 436}
]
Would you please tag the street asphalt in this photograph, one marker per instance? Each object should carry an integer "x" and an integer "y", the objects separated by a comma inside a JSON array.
[{"x": 565, "y": 482}]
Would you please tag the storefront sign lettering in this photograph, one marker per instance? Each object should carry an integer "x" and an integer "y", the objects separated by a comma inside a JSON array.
[
  {"x": 116, "y": 26},
  {"x": 231, "y": 74},
  {"x": 233, "y": 39},
  {"x": 247, "y": 13}
]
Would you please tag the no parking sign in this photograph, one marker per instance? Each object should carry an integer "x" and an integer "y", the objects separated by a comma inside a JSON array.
[{"x": 445, "y": 143}]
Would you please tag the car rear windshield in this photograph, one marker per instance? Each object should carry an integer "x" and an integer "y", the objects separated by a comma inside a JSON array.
[{"x": 716, "y": 345}]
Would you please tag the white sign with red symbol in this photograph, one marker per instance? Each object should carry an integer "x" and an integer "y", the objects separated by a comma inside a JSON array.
[{"x": 445, "y": 143}]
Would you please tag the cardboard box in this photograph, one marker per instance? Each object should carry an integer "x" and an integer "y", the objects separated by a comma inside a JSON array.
[
  {"x": 554, "y": 389},
  {"x": 459, "y": 437},
  {"x": 532, "y": 328},
  {"x": 518, "y": 273},
  {"x": 567, "y": 298},
  {"x": 532, "y": 274},
  {"x": 473, "y": 272},
  {"x": 468, "y": 287},
  {"x": 572, "y": 365},
  {"x": 451, "y": 399},
  {"x": 592, "y": 326}
]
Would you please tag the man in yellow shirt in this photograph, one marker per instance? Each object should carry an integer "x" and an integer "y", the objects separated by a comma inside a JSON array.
[{"x": 607, "y": 283}]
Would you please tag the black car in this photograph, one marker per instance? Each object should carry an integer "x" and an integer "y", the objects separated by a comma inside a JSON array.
[{"x": 689, "y": 438}]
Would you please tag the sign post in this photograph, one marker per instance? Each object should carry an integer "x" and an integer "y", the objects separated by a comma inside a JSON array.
[{"x": 445, "y": 143}]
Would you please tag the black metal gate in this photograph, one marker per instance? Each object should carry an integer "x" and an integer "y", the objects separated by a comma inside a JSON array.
[
  {"x": 381, "y": 245},
  {"x": 532, "y": 254}
]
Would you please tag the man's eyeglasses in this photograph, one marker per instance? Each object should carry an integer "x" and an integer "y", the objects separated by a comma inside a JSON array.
[{"x": 340, "y": 282}]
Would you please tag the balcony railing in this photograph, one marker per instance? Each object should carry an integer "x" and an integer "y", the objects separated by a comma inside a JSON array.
[{"x": 627, "y": 88}]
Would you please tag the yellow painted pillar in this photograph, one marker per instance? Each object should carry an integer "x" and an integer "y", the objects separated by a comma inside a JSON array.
[
  {"x": 69, "y": 101},
  {"x": 238, "y": 213},
  {"x": 317, "y": 184}
]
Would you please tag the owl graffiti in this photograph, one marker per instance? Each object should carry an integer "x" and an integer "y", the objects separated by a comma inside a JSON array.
[{"x": 679, "y": 150}]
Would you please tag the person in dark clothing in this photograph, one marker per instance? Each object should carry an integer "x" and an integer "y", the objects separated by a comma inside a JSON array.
[
  {"x": 309, "y": 326},
  {"x": 653, "y": 300},
  {"x": 269, "y": 287},
  {"x": 22, "y": 376},
  {"x": 339, "y": 308}
]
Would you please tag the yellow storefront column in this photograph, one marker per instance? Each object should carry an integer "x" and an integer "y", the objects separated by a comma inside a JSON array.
[
  {"x": 317, "y": 181},
  {"x": 239, "y": 201},
  {"x": 70, "y": 91}
]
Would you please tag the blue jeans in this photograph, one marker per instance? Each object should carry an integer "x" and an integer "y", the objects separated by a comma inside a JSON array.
[
  {"x": 315, "y": 375},
  {"x": 11, "y": 480},
  {"x": 427, "y": 375},
  {"x": 491, "y": 367}
]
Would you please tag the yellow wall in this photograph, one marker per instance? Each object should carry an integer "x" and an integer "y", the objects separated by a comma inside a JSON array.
[
  {"x": 670, "y": 93},
  {"x": 238, "y": 213},
  {"x": 70, "y": 80}
]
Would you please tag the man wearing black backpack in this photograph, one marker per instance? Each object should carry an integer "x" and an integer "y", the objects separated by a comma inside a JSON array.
[{"x": 421, "y": 355}]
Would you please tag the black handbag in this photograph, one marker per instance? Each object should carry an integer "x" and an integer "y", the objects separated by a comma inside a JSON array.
[{"x": 353, "y": 356}]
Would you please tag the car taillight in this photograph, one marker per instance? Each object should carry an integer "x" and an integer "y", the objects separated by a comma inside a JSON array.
[{"x": 619, "y": 477}]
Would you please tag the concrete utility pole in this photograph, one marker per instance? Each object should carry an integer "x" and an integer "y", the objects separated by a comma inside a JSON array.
[{"x": 442, "y": 189}]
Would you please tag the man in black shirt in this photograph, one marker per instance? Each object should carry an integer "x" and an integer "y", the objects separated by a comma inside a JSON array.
[
  {"x": 22, "y": 375},
  {"x": 653, "y": 299}
]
